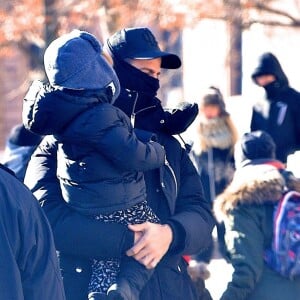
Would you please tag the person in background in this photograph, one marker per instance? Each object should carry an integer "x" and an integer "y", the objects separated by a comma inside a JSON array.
[
  {"x": 100, "y": 159},
  {"x": 174, "y": 191},
  {"x": 19, "y": 146},
  {"x": 246, "y": 206},
  {"x": 29, "y": 265},
  {"x": 213, "y": 155},
  {"x": 277, "y": 114}
]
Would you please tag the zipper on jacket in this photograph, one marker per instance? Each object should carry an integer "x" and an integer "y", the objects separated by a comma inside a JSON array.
[
  {"x": 133, "y": 113},
  {"x": 173, "y": 175}
]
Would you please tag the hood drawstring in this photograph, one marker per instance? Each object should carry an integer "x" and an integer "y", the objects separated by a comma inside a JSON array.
[{"x": 187, "y": 146}]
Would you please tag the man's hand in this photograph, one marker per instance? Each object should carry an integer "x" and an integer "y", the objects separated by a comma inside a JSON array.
[{"x": 152, "y": 244}]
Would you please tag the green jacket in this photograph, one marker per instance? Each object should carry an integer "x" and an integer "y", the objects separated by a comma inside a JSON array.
[{"x": 246, "y": 207}]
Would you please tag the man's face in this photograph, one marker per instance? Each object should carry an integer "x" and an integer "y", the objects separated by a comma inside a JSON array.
[
  {"x": 264, "y": 80},
  {"x": 151, "y": 67}
]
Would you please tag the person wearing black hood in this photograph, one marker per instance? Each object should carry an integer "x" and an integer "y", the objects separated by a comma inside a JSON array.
[
  {"x": 279, "y": 113},
  {"x": 174, "y": 191}
]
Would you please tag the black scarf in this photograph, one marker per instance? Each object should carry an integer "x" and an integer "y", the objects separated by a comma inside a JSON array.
[
  {"x": 133, "y": 79},
  {"x": 138, "y": 97},
  {"x": 138, "y": 100},
  {"x": 274, "y": 90}
]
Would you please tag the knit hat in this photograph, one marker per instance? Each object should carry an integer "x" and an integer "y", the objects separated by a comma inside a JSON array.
[
  {"x": 255, "y": 145},
  {"x": 213, "y": 96},
  {"x": 140, "y": 43},
  {"x": 20, "y": 136},
  {"x": 74, "y": 61}
]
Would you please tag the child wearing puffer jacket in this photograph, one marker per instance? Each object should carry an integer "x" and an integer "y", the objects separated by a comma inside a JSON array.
[{"x": 100, "y": 159}]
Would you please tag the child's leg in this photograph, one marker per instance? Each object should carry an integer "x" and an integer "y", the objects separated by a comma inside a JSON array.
[
  {"x": 131, "y": 279},
  {"x": 75, "y": 273},
  {"x": 104, "y": 274},
  {"x": 97, "y": 296},
  {"x": 124, "y": 283}
]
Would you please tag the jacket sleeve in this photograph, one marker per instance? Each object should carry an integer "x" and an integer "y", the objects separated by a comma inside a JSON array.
[
  {"x": 245, "y": 243},
  {"x": 41, "y": 269},
  {"x": 29, "y": 266},
  {"x": 114, "y": 137},
  {"x": 179, "y": 118},
  {"x": 193, "y": 215},
  {"x": 74, "y": 233}
]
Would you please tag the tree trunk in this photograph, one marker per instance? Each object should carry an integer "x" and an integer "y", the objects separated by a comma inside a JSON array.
[
  {"x": 234, "y": 21},
  {"x": 171, "y": 80},
  {"x": 51, "y": 21}
]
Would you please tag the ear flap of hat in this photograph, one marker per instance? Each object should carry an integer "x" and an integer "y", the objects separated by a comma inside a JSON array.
[{"x": 74, "y": 61}]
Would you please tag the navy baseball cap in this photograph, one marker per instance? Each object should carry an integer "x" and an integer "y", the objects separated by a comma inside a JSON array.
[{"x": 140, "y": 43}]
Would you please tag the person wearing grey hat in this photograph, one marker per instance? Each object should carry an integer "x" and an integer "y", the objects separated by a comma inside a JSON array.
[
  {"x": 174, "y": 190},
  {"x": 278, "y": 113},
  {"x": 100, "y": 159},
  {"x": 246, "y": 207}
]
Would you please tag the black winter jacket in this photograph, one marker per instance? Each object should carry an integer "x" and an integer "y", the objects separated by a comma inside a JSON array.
[
  {"x": 279, "y": 113},
  {"x": 100, "y": 158},
  {"x": 28, "y": 262}
]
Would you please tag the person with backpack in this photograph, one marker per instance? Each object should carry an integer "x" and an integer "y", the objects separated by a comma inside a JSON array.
[{"x": 247, "y": 208}]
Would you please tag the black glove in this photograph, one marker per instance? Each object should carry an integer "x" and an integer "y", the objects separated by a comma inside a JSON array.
[{"x": 178, "y": 119}]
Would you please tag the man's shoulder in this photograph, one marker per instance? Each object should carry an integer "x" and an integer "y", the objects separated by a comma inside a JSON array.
[
  {"x": 293, "y": 95},
  {"x": 167, "y": 139},
  {"x": 174, "y": 146},
  {"x": 7, "y": 170}
]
